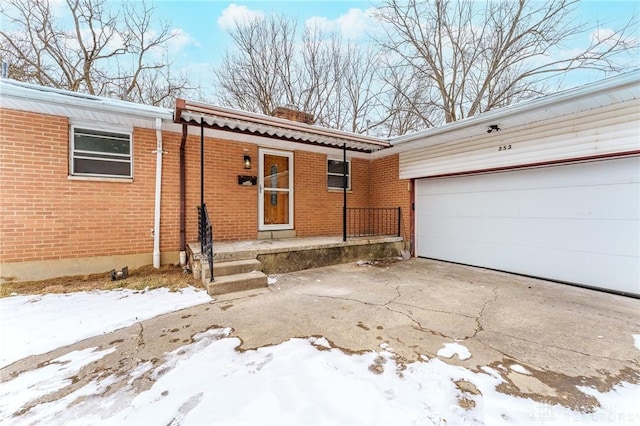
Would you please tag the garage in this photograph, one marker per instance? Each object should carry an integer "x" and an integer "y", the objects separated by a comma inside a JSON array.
[
  {"x": 549, "y": 187},
  {"x": 577, "y": 223}
]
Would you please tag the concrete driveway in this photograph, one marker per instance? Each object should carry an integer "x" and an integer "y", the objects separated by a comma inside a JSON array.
[{"x": 564, "y": 336}]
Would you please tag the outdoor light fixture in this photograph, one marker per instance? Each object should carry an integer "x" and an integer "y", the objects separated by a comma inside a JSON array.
[
  {"x": 247, "y": 161},
  {"x": 493, "y": 128}
]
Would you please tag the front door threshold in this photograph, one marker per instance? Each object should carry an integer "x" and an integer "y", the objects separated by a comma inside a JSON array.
[{"x": 276, "y": 235}]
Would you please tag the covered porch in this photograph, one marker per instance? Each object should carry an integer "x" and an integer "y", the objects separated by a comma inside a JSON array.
[{"x": 290, "y": 202}]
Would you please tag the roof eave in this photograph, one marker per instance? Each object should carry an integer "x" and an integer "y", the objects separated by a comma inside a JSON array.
[
  {"x": 65, "y": 98},
  {"x": 273, "y": 127},
  {"x": 490, "y": 117}
]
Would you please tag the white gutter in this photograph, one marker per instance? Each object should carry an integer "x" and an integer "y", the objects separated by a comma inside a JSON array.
[
  {"x": 156, "y": 216},
  {"x": 18, "y": 90}
]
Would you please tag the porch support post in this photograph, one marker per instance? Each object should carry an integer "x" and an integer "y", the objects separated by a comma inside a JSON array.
[
  {"x": 344, "y": 193},
  {"x": 201, "y": 162},
  {"x": 183, "y": 192}
]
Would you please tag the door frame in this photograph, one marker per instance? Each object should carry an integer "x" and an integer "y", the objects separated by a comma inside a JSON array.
[{"x": 261, "y": 225}]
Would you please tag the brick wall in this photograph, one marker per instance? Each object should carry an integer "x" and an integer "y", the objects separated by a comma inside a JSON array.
[
  {"x": 233, "y": 208},
  {"x": 387, "y": 190},
  {"x": 45, "y": 215},
  {"x": 170, "y": 196},
  {"x": 319, "y": 210}
]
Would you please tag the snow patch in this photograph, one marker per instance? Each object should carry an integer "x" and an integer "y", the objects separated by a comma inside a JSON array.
[
  {"x": 636, "y": 341},
  {"x": 321, "y": 342},
  {"x": 49, "y": 378},
  {"x": 33, "y": 325},
  {"x": 296, "y": 383},
  {"x": 385, "y": 346},
  {"x": 520, "y": 369},
  {"x": 451, "y": 349}
]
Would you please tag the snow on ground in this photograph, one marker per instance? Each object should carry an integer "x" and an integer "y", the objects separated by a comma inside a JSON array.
[
  {"x": 300, "y": 381},
  {"x": 32, "y": 325},
  {"x": 520, "y": 369},
  {"x": 451, "y": 349}
]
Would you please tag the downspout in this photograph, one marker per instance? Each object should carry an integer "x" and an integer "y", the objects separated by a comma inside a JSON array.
[
  {"x": 183, "y": 191},
  {"x": 156, "y": 218}
]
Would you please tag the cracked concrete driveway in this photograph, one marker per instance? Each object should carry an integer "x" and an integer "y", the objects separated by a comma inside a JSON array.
[{"x": 565, "y": 336}]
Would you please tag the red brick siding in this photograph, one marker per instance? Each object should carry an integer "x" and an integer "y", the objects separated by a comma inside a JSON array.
[
  {"x": 44, "y": 215},
  {"x": 47, "y": 216},
  {"x": 233, "y": 208},
  {"x": 170, "y": 196},
  {"x": 319, "y": 210},
  {"x": 388, "y": 190}
]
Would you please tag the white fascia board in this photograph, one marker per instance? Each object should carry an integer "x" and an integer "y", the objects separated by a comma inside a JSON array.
[
  {"x": 65, "y": 98},
  {"x": 570, "y": 97}
]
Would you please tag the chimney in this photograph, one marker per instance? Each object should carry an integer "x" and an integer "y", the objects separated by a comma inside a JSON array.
[{"x": 290, "y": 112}]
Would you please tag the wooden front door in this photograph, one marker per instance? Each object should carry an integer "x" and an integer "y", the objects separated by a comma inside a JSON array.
[{"x": 275, "y": 190}]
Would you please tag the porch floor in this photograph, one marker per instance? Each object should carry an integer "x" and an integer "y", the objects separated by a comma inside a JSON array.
[
  {"x": 243, "y": 265},
  {"x": 251, "y": 249}
]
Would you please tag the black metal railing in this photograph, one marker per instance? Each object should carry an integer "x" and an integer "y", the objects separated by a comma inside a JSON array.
[
  {"x": 370, "y": 222},
  {"x": 205, "y": 233}
]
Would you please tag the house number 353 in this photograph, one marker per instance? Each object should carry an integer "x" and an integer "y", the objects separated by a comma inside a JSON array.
[{"x": 504, "y": 147}]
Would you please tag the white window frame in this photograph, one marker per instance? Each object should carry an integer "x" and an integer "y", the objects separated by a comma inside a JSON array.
[
  {"x": 333, "y": 188},
  {"x": 123, "y": 131}
]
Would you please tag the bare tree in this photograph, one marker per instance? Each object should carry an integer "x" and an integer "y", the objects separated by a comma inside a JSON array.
[
  {"x": 316, "y": 72},
  {"x": 405, "y": 103},
  {"x": 256, "y": 75},
  {"x": 469, "y": 57},
  {"x": 91, "y": 48}
]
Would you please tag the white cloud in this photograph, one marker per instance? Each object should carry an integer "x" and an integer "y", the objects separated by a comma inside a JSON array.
[
  {"x": 180, "y": 40},
  {"x": 234, "y": 15},
  {"x": 354, "y": 24},
  {"x": 608, "y": 37},
  {"x": 601, "y": 35}
]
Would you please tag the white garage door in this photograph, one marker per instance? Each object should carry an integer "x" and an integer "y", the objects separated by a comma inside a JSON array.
[{"x": 578, "y": 223}]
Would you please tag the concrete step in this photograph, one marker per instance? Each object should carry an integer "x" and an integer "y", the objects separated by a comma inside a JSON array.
[
  {"x": 221, "y": 269},
  {"x": 237, "y": 282}
]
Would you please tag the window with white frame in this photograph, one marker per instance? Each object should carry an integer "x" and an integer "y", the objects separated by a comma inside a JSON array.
[
  {"x": 100, "y": 153},
  {"x": 335, "y": 174}
]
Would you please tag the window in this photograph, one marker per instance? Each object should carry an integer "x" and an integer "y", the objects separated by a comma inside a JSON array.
[
  {"x": 335, "y": 173},
  {"x": 100, "y": 153}
]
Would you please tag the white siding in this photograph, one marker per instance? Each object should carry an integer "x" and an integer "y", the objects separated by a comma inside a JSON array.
[
  {"x": 607, "y": 130},
  {"x": 578, "y": 223}
]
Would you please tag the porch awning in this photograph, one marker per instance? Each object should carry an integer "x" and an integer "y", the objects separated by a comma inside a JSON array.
[{"x": 220, "y": 118}]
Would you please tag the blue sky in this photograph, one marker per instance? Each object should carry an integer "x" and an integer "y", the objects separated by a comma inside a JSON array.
[{"x": 201, "y": 24}]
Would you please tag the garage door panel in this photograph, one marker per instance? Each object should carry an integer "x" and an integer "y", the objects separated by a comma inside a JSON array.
[
  {"x": 586, "y": 234},
  {"x": 575, "y": 175},
  {"x": 608, "y": 271},
  {"x": 577, "y": 202},
  {"x": 603, "y": 236}
]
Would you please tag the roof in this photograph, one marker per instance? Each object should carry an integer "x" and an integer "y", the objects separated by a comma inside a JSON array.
[
  {"x": 610, "y": 91},
  {"x": 214, "y": 117},
  {"x": 30, "y": 97},
  {"x": 46, "y": 100}
]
